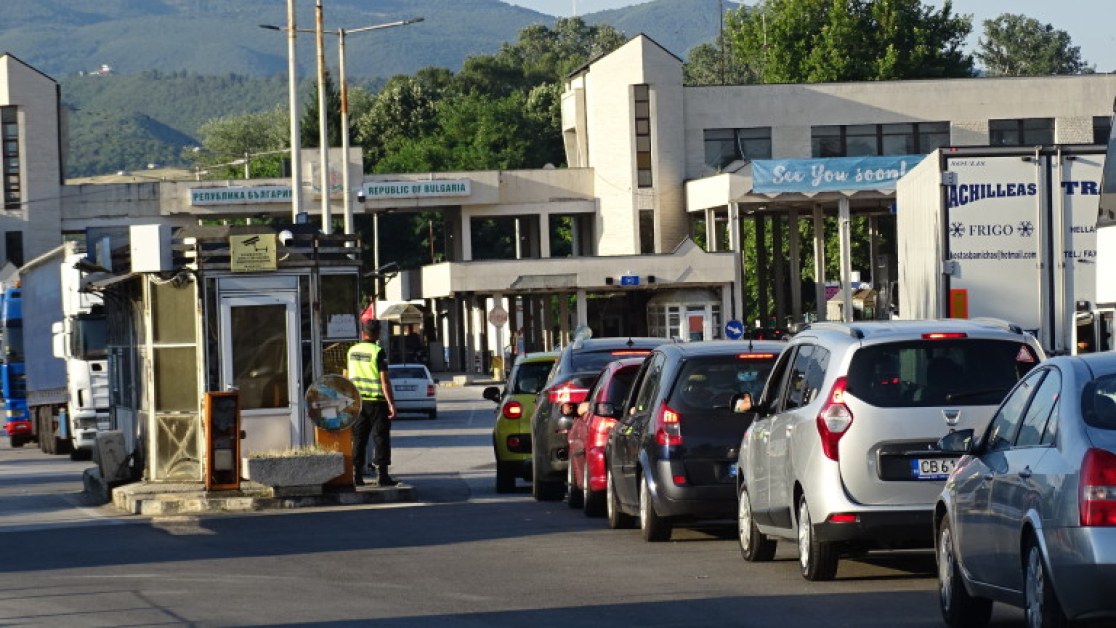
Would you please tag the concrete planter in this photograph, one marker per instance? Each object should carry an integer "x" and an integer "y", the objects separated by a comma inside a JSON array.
[{"x": 301, "y": 474}]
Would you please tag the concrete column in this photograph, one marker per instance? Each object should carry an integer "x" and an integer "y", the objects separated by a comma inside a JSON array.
[
  {"x": 779, "y": 268},
  {"x": 819, "y": 261},
  {"x": 544, "y": 235},
  {"x": 762, "y": 270},
  {"x": 844, "y": 223},
  {"x": 710, "y": 230},
  {"x": 794, "y": 251},
  {"x": 466, "y": 238},
  {"x": 564, "y": 318},
  {"x": 735, "y": 245},
  {"x": 582, "y": 310},
  {"x": 519, "y": 237}
]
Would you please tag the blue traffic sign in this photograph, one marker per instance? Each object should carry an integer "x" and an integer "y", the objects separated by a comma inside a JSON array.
[
  {"x": 629, "y": 280},
  {"x": 734, "y": 329}
]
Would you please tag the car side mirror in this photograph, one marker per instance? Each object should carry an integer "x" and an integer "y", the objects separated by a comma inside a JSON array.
[
  {"x": 606, "y": 409},
  {"x": 958, "y": 442},
  {"x": 742, "y": 403},
  {"x": 491, "y": 393}
]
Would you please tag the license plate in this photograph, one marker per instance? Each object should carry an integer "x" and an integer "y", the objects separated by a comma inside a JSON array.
[
  {"x": 932, "y": 468},
  {"x": 405, "y": 388}
]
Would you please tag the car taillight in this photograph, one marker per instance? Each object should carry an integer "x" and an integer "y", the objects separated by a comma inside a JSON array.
[
  {"x": 430, "y": 390},
  {"x": 603, "y": 429},
  {"x": 1098, "y": 488},
  {"x": 834, "y": 419},
  {"x": 941, "y": 335},
  {"x": 668, "y": 426},
  {"x": 756, "y": 356},
  {"x": 567, "y": 393},
  {"x": 513, "y": 410}
]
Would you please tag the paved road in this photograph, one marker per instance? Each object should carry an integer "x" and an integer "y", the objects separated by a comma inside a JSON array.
[{"x": 462, "y": 556}]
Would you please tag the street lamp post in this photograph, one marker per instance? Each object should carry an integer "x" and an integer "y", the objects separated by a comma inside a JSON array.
[
  {"x": 323, "y": 124},
  {"x": 292, "y": 94}
]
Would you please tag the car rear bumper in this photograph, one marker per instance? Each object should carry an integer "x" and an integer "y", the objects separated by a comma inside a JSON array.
[
  {"x": 1083, "y": 567},
  {"x": 17, "y": 428},
  {"x": 889, "y": 528},
  {"x": 689, "y": 500}
]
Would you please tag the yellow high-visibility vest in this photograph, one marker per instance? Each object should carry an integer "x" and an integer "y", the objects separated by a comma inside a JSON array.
[{"x": 364, "y": 370}]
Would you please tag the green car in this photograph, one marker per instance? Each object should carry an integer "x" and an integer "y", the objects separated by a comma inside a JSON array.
[{"x": 511, "y": 435}]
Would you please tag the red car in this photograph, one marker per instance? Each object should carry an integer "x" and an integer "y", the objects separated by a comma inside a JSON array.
[{"x": 592, "y": 423}]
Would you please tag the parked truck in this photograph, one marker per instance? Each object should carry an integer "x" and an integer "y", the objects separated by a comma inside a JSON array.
[
  {"x": 1006, "y": 233},
  {"x": 64, "y": 334},
  {"x": 1104, "y": 320}
]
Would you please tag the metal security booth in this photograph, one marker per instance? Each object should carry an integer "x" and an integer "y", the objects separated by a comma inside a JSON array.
[{"x": 242, "y": 308}]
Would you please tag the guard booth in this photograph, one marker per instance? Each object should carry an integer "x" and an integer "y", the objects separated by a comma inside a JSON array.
[{"x": 225, "y": 308}]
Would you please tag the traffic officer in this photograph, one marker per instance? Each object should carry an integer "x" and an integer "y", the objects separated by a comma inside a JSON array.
[{"x": 368, "y": 369}]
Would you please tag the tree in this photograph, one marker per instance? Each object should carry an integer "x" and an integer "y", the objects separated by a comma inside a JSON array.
[
  {"x": 810, "y": 41},
  {"x": 309, "y": 125},
  {"x": 1017, "y": 45},
  {"x": 714, "y": 64},
  {"x": 232, "y": 138}
]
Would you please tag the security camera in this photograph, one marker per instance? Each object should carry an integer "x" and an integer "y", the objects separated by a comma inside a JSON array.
[
  {"x": 286, "y": 237},
  {"x": 360, "y": 196}
]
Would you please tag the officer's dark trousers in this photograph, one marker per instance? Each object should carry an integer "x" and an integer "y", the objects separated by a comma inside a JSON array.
[{"x": 373, "y": 421}]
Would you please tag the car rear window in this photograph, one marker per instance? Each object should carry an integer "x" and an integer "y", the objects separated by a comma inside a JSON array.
[
  {"x": 708, "y": 383},
  {"x": 596, "y": 360},
  {"x": 531, "y": 377},
  {"x": 1098, "y": 403},
  {"x": 406, "y": 372},
  {"x": 923, "y": 373},
  {"x": 621, "y": 384}
]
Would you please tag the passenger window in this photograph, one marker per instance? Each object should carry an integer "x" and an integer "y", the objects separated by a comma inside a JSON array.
[
  {"x": 815, "y": 374},
  {"x": 797, "y": 386},
  {"x": 1001, "y": 431},
  {"x": 773, "y": 390},
  {"x": 649, "y": 385},
  {"x": 1042, "y": 406}
]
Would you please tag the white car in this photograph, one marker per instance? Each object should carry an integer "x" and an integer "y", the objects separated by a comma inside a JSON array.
[{"x": 415, "y": 390}]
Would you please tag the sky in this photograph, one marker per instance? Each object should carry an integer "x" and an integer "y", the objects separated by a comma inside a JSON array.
[{"x": 1086, "y": 21}]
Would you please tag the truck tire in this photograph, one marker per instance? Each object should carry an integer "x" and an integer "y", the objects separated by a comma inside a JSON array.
[{"x": 16, "y": 441}]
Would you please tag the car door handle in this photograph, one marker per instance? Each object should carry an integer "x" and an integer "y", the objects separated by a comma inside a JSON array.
[
  {"x": 988, "y": 477},
  {"x": 1025, "y": 473}
]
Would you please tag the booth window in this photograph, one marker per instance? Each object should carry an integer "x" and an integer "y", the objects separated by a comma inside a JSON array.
[
  {"x": 9, "y": 157},
  {"x": 724, "y": 146},
  {"x": 1102, "y": 127},
  {"x": 858, "y": 140},
  {"x": 646, "y": 232},
  {"x": 1021, "y": 132},
  {"x": 13, "y": 247},
  {"x": 641, "y": 99}
]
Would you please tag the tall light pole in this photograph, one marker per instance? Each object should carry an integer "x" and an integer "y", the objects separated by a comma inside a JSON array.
[
  {"x": 323, "y": 123},
  {"x": 292, "y": 94},
  {"x": 346, "y": 194}
]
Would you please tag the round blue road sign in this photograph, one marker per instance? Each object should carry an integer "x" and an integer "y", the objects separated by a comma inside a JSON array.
[{"x": 734, "y": 329}]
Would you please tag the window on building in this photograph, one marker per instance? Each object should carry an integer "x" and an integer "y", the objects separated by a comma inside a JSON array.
[
  {"x": 1021, "y": 132},
  {"x": 857, "y": 140},
  {"x": 9, "y": 158},
  {"x": 641, "y": 98},
  {"x": 646, "y": 232},
  {"x": 13, "y": 247},
  {"x": 1102, "y": 128},
  {"x": 724, "y": 146}
]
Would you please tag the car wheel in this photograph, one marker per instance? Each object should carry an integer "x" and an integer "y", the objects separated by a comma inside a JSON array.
[
  {"x": 655, "y": 529},
  {"x": 573, "y": 491},
  {"x": 816, "y": 560},
  {"x": 543, "y": 490},
  {"x": 617, "y": 518},
  {"x": 755, "y": 546},
  {"x": 593, "y": 502},
  {"x": 1041, "y": 609},
  {"x": 15, "y": 442},
  {"x": 505, "y": 478},
  {"x": 959, "y": 609}
]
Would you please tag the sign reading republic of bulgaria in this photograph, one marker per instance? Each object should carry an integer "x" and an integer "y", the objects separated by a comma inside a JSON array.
[{"x": 374, "y": 190}]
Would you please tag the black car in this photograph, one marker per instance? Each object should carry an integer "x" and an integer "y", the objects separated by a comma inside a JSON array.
[
  {"x": 672, "y": 457},
  {"x": 566, "y": 387}
]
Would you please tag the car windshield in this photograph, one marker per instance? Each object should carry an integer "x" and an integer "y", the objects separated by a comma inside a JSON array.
[
  {"x": 1098, "y": 403},
  {"x": 621, "y": 384},
  {"x": 711, "y": 382},
  {"x": 596, "y": 360},
  {"x": 925, "y": 373},
  {"x": 406, "y": 372},
  {"x": 530, "y": 377}
]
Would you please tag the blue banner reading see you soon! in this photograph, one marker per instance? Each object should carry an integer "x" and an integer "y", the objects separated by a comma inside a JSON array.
[{"x": 830, "y": 174}]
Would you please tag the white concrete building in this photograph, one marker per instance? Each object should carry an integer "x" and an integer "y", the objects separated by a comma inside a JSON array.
[{"x": 651, "y": 162}]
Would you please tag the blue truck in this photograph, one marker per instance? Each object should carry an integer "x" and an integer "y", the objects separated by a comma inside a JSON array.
[{"x": 13, "y": 375}]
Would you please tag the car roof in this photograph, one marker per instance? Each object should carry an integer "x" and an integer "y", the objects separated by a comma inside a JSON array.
[
  {"x": 1103, "y": 363},
  {"x": 617, "y": 342},
  {"x": 725, "y": 347},
  {"x": 406, "y": 365},
  {"x": 540, "y": 356},
  {"x": 911, "y": 329}
]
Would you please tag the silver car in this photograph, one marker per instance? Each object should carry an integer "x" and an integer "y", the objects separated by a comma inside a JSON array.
[
  {"x": 841, "y": 456},
  {"x": 1028, "y": 517}
]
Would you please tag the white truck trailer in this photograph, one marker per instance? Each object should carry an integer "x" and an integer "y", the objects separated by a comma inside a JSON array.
[
  {"x": 1003, "y": 232},
  {"x": 64, "y": 340}
]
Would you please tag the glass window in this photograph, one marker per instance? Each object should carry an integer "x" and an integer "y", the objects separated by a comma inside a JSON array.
[
  {"x": 259, "y": 355},
  {"x": 169, "y": 304},
  {"x": 710, "y": 383},
  {"x": 1098, "y": 403},
  {"x": 649, "y": 384},
  {"x": 922, "y": 373},
  {"x": 1102, "y": 126},
  {"x": 1021, "y": 132},
  {"x": 406, "y": 372},
  {"x": 176, "y": 380},
  {"x": 797, "y": 385},
  {"x": 530, "y": 377},
  {"x": 1042, "y": 407},
  {"x": 340, "y": 296},
  {"x": 773, "y": 390},
  {"x": 621, "y": 385},
  {"x": 1001, "y": 431}
]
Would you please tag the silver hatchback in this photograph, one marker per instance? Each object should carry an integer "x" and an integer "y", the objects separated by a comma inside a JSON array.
[
  {"x": 1028, "y": 518},
  {"x": 842, "y": 457}
]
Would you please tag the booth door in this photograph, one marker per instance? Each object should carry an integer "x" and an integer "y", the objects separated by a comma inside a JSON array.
[{"x": 259, "y": 357}]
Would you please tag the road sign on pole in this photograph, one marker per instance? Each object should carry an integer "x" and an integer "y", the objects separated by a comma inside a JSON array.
[
  {"x": 734, "y": 330},
  {"x": 498, "y": 316}
]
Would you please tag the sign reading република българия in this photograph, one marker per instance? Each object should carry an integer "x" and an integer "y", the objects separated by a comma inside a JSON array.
[
  {"x": 240, "y": 195},
  {"x": 432, "y": 188}
]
